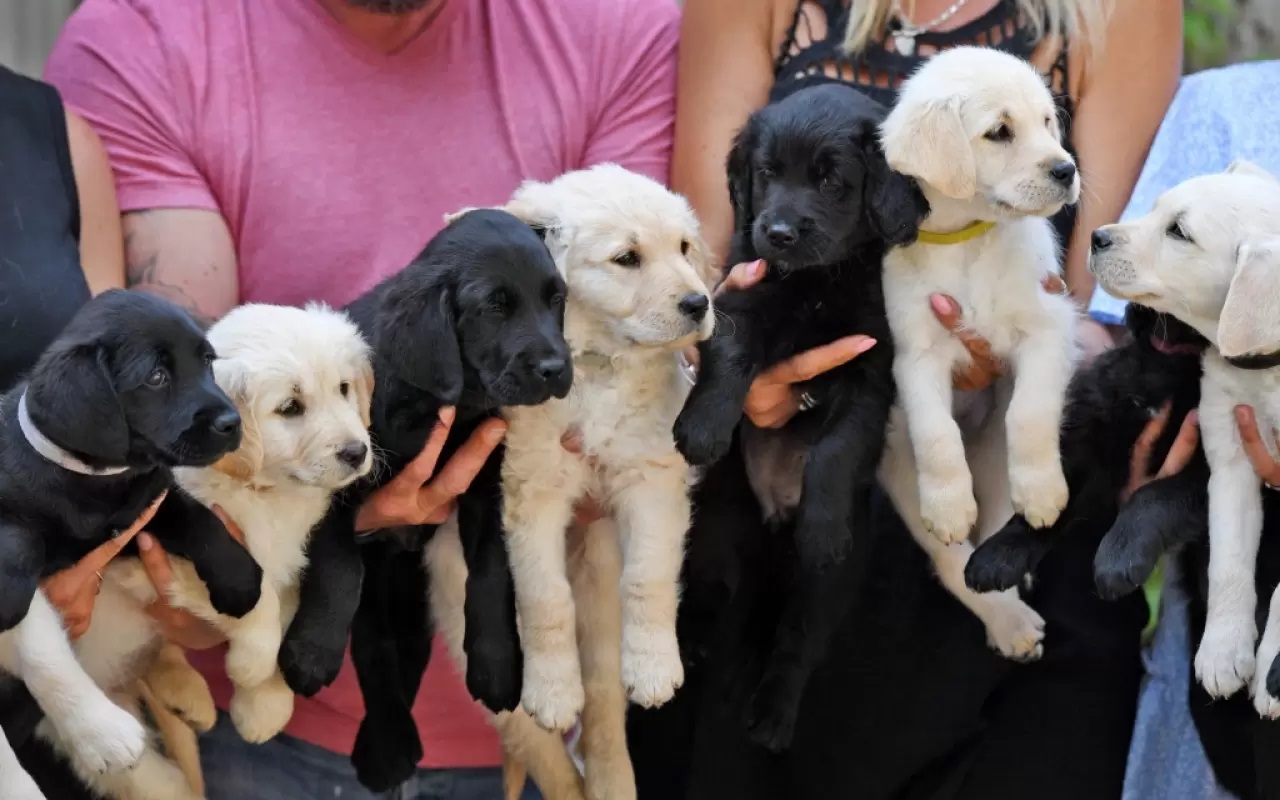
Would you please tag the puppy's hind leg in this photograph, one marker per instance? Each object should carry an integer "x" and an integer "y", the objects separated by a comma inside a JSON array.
[
  {"x": 177, "y": 685},
  {"x": 17, "y": 784},
  {"x": 595, "y": 569}
]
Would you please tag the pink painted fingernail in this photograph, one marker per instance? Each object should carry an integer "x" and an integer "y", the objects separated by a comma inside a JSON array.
[
  {"x": 145, "y": 542},
  {"x": 1193, "y": 416},
  {"x": 940, "y": 304},
  {"x": 865, "y": 345},
  {"x": 757, "y": 268}
]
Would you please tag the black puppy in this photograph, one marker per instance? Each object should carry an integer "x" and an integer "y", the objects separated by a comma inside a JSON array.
[
  {"x": 1109, "y": 404},
  {"x": 812, "y": 196},
  {"x": 125, "y": 393},
  {"x": 475, "y": 321}
]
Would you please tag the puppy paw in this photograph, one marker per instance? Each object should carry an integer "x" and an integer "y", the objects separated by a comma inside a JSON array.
[
  {"x": 703, "y": 438},
  {"x": 1038, "y": 492},
  {"x": 553, "y": 693},
  {"x": 309, "y": 666},
  {"x": 261, "y": 712},
  {"x": 387, "y": 751},
  {"x": 103, "y": 738},
  {"x": 1124, "y": 561},
  {"x": 1014, "y": 629},
  {"x": 651, "y": 666},
  {"x": 771, "y": 714},
  {"x": 235, "y": 599},
  {"x": 252, "y": 656},
  {"x": 187, "y": 696},
  {"x": 495, "y": 674},
  {"x": 1225, "y": 661},
  {"x": 1003, "y": 561},
  {"x": 947, "y": 507},
  {"x": 1264, "y": 700}
]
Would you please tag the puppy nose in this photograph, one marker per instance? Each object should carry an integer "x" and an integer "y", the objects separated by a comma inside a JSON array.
[
  {"x": 352, "y": 453},
  {"x": 1100, "y": 240},
  {"x": 551, "y": 368},
  {"x": 226, "y": 423},
  {"x": 694, "y": 306},
  {"x": 780, "y": 235},
  {"x": 1064, "y": 172}
]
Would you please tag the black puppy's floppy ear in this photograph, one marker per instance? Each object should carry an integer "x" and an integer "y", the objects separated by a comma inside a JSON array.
[
  {"x": 415, "y": 333},
  {"x": 740, "y": 172},
  {"x": 893, "y": 202},
  {"x": 73, "y": 400}
]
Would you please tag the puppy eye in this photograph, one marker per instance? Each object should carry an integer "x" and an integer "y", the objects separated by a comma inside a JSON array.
[
  {"x": 831, "y": 182},
  {"x": 1000, "y": 133},
  {"x": 158, "y": 378},
  {"x": 628, "y": 259},
  {"x": 557, "y": 302},
  {"x": 209, "y": 358},
  {"x": 766, "y": 172},
  {"x": 290, "y": 408},
  {"x": 344, "y": 388},
  {"x": 1176, "y": 231},
  {"x": 498, "y": 303},
  {"x": 684, "y": 247}
]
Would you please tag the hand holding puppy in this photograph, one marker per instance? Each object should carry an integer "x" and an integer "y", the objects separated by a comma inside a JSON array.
[{"x": 1267, "y": 468}]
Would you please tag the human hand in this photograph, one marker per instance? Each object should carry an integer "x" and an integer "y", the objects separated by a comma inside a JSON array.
[
  {"x": 1267, "y": 468},
  {"x": 178, "y": 625},
  {"x": 587, "y": 510},
  {"x": 73, "y": 590},
  {"x": 774, "y": 398},
  {"x": 1180, "y": 453},
  {"x": 415, "y": 497},
  {"x": 983, "y": 367}
]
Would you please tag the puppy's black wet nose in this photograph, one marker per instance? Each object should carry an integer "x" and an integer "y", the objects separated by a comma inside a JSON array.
[
  {"x": 694, "y": 306},
  {"x": 352, "y": 453},
  {"x": 551, "y": 369},
  {"x": 226, "y": 423},
  {"x": 781, "y": 235},
  {"x": 1100, "y": 240},
  {"x": 1064, "y": 172}
]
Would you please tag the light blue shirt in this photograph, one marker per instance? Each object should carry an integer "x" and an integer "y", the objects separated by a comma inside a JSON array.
[{"x": 1217, "y": 116}]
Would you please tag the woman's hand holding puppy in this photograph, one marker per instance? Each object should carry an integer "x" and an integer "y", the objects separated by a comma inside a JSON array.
[{"x": 74, "y": 590}]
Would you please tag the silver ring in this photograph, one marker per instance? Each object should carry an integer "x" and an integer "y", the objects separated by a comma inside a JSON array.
[
  {"x": 687, "y": 369},
  {"x": 806, "y": 402},
  {"x": 1271, "y": 487}
]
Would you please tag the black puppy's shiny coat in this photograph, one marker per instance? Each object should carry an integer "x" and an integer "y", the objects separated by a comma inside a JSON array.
[
  {"x": 476, "y": 322},
  {"x": 1108, "y": 405},
  {"x": 813, "y": 197},
  {"x": 127, "y": 383}
]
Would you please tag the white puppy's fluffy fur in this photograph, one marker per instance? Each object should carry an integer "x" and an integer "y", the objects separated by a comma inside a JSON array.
[
  {"x": 637, "y": 272},
  {"x": 302, "y": 381},
  {"x": 1209, "y": 254},
  {"x": 979, "y": 130}
]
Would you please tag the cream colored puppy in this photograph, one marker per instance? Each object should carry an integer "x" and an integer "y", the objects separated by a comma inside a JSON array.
[
  {"x": 637, "y": 271},
  {"x": 978, "y": 129},
  {"x": 1209, "y": 254},
  {"x": 302, "y": 382}
]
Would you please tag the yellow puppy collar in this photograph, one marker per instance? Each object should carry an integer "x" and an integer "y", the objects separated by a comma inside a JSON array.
[{"x": 956, "y": 237}]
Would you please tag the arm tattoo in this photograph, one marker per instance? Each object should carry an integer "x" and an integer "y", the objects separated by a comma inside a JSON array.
[{"x": 142, "y": 273}]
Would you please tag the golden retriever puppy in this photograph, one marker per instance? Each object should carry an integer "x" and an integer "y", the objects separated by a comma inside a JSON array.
[
  {"x": 302, "y": 382},
  {"x": 637, "y": 271},
  {"x": 978, "y": 130},
  {"x": 1208, "y": 253}
]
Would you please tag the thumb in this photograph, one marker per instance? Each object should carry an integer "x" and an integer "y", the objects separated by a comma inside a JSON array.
[{"x": 156, "y": 563}]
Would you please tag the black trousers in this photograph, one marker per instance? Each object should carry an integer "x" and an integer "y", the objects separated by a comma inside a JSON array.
[{"x": 910, "y": 702}]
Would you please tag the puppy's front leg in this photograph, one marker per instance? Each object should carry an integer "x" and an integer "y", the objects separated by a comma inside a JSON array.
[
  {"x": 947, "y": 506},
  {"x": 188, "y": 529},
  {"x": 1225, "y": 659},
  {"x": 652, "y": 513},
  {"x": 1037, "y": 485},
  {"x": 728, "y": 363},
  {"x": 101, "y": 737},
  {"x": 538, "y": 509},
  {"x": 21, "y": 562}
]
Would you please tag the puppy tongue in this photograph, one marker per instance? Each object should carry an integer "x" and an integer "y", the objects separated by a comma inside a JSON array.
[{"x": 1175, "y": 349}]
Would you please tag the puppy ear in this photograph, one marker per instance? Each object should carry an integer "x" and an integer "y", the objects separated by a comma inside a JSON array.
[
  {"x": 364, "y": 391},
  {"x": 1250, "y": 321},
  {"x": 536, "y": 205},
  {"x": 75, "y": 401},
  {"x": 1241, "y": 166},
  {"x": 893, "y": 203},
  {"x": 927, "y": 141},
  {"x": 741, "y": 173},
  {"x": 245, "y": 461},
  {"x": 415, "y": 333}
]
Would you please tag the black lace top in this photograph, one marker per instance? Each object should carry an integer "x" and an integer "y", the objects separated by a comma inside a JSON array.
[{"x": 806, "y": 58}]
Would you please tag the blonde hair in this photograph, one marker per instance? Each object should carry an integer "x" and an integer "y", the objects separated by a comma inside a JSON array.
[{"x": 1075, "y": 21}]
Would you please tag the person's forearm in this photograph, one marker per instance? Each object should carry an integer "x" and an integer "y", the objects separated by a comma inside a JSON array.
[{"x": 184, "y": 255}]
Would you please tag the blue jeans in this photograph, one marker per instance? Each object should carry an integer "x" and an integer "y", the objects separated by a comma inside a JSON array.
[{"x": 290, "y": 769}]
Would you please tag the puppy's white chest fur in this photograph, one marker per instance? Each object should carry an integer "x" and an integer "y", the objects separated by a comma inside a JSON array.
[
  {"x": 1257, "y": 388},
  {"x": 996, "y": 278}
]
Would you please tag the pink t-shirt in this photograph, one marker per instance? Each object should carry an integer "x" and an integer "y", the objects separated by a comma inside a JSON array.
[{"x": 334, "y": 163}]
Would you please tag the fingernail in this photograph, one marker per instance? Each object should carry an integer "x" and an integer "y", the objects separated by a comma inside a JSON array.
[
  {"x": 1242, "y": 413},
  {"x": 446, "y": 415},
  {"x": 757, "y": 268},
  {"x": 145, "y": 542},
  {"x": 940, "y": 304},
  {"x": 495, "y": 433},
  {"x": 865, "y": 345},
  {"x": 1193, "y": 416}
]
